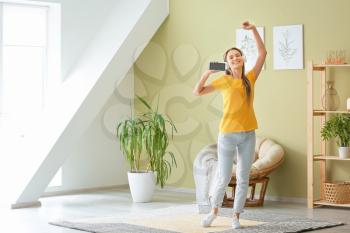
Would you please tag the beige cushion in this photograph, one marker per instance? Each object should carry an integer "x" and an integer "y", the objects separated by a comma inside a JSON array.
[{"x": 258, "y": 142}]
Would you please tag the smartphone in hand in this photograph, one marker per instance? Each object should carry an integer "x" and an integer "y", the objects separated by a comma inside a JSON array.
[{"x": 221, "y": 66}]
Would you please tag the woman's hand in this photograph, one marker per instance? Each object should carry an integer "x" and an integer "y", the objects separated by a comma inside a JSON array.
[
  {"x": 211, "y": 71},
  {"x": 247, "y": 26}
]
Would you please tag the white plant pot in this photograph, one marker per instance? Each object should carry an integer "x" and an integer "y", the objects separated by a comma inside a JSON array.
[
  {"x": 142, "y": 185},
  {"x": 344, "y": 152}
]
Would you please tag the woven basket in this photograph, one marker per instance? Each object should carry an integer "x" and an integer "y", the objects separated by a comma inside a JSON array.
[{"x": 337, "y": 192}]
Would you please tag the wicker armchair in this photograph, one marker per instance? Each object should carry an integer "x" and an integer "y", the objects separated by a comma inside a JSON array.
[{"x": 268, "y": 156}]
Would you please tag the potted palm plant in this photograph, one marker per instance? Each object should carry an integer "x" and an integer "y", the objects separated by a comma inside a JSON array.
[
  {"x": 155, "y": 137},
  {"x": 143, "y": 141},
  {"x": 338, "y": 127},
  {"x": 141, "y": 182}
]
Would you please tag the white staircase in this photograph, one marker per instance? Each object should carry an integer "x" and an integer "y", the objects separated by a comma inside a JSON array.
[{"x": 107, "y": 59}]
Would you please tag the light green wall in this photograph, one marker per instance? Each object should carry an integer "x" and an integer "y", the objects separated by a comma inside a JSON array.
[{"x": 198, "y": 31}]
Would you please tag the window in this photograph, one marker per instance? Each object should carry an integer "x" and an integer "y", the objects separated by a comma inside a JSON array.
[
  {"x": 24, "y": 64},
  {"x": 29, "y": 63}
]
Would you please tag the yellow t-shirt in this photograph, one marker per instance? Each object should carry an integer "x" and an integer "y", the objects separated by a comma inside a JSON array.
[{"x": 238, "y": 115}]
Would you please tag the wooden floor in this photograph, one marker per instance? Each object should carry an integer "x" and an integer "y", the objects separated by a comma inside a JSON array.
[{"x": 115, "y": 202}]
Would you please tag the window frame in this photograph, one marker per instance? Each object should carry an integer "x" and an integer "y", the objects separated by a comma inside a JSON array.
[{"x": 52, "y": 70}]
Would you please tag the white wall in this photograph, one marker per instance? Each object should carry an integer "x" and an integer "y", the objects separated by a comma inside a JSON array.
[
  {"x": 76, "y": 130},
  {"x": 81, "y": 19},
  {"x": 97, "y": 161}
]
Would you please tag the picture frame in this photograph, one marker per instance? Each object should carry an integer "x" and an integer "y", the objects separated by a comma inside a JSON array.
[{"x": 288, "y": 47}]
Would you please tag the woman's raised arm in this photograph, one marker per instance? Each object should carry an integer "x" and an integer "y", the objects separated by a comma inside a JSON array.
[
  {"x": 261, "y": 48},
  {"x": 201, "y": 88}
]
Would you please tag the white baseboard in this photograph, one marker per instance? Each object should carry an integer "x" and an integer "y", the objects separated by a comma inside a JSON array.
[
  {"x": 268, "y": 198},
  {"x": 165, "y": 189},
  {"x": 79, "y": 191},
  {"x": 26, "y": 205},
  {"x": 286, "y": 199},
  {"x": 178, "y": 190}
]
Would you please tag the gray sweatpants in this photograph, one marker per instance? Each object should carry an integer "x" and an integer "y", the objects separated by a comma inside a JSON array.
[{"x": 232, "y": 147}]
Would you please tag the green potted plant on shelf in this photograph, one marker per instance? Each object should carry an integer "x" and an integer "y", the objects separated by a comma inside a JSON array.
[
  {"x": 338, "y": 127},
  {"x": 144, "y": 140}
]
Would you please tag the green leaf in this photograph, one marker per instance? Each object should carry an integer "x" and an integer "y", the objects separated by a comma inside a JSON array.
[
  {"x": 144, "y": 102},
  {"x": 147, "y": 132},
  {"x": 337, "y": 127}
]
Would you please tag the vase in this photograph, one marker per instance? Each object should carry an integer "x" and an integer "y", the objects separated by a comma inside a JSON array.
[
  {"x": 142, "y": 185},
  {"x": 331, "y": 100},
  {"x": 344, "y": 152}
]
